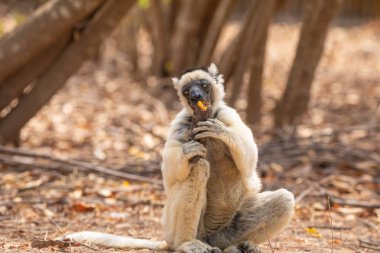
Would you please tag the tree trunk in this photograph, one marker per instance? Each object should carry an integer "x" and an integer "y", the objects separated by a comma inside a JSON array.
[
  {"x": 317, "y": 17},
  {"x": 259, "y": 24},
  {"x": 85, "y": 47},
  {"x": 126, "y": 38},
  {"x": 209, "y": 9},
  {"x": 254, "y": 97},
  {"x": 161, "y": 40},
  {"x": 194, "y": 18},
  {"x": 13, "y": 86},
  {"x": 185, "y": 30},
  {"x": 170, "y": 16},
  {"x": 44, "y": 27},
  {"x": 230, "y": 56},
  {"x": 213, "y": 32}
]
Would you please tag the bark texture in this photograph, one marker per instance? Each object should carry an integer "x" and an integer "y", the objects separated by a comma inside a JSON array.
[
  {"x": 14, "y": 86},
  {"x": 214, "y": 30},
  {"x": 79, "y": 50},
  {"x": 317, "y": 17},
  {"x": 161, "y": 38},
  {"x": 257, "y": 29},
  {"x": 185, "y": 30},
  {"x": 254, "y": 97},
  {"x": 46, "y": 25},
  {"x": 230, "y": 56}
]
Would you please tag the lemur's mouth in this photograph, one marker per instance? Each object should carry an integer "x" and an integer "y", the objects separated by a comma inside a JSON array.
[{"x": 203, "y": 105}]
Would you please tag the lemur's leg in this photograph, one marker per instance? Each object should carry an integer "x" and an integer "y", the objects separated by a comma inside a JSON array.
[
  {"x": 190, "y": 209},
  {"x": 186, "y": 202},
  {"x": 258, "y": 218}
]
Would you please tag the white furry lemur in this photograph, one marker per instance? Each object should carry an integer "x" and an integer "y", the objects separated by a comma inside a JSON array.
[{"x": 213, "y": 203}]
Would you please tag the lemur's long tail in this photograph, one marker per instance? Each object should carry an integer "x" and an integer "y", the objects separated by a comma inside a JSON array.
[{"x": 115, "y": 241}]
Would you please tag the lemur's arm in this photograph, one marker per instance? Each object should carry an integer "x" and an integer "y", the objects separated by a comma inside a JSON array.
[
  {"x": 229, "y": 128},
  {"x": 178, "y": 150},
  {"x": 176, "y": 156}
]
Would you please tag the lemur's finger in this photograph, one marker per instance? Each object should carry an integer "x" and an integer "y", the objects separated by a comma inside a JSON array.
[
  {"x": 216, "y": 250},
  {"x": 193, "y": 146},
  {"x": 196, "y": 149},
  {"x": 196, "y": 153},
  {"x": 193, "y": 143},
  {"x": 201, "y": 129},
  {"x": 216, "y": 121},
  {"x": 207, "y": 134},
  {"x": 205, "y": 123},
  {"x": 212, "y": 123}
]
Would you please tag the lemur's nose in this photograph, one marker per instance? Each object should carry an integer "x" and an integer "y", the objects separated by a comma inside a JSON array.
[{"x": 195, "y": 95}]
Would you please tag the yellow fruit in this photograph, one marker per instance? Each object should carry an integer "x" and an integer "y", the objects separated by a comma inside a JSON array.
[{"x": 202, "y": 105}]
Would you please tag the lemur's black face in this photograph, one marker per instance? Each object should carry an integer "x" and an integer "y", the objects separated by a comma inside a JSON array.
[{"x": 197, "y": 90}]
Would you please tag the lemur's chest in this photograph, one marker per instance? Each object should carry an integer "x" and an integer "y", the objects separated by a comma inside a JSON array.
[
  {"x": 218, "y": 153},
  {"x": 224, "y": 188}
]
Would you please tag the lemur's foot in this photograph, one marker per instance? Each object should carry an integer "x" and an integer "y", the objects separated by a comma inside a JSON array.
[
  {"x": 248, "y": 247},
  {"x": 243, "y": 247},
  {"x": 197, "y": 246}
]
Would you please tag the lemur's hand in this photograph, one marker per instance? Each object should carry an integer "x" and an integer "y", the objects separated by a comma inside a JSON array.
[
  {"x": 194, "y": 148},
  {"x": 212, "y": 128}
]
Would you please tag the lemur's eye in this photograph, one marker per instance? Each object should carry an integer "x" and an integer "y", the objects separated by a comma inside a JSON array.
[
  {"x": 204, "y": 83},
  {"x": 185, "y": 92}
]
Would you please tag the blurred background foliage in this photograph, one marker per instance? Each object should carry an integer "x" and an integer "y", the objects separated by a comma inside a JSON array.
[
  {"x": 269, "y": 53},
  {"x": 90, "y": 80}
]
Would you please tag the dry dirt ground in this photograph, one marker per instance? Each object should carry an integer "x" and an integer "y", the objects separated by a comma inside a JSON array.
[{"x": 104, "y": 117}]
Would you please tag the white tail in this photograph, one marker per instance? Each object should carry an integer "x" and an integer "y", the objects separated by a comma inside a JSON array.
[{"x": 115, "y": 241}]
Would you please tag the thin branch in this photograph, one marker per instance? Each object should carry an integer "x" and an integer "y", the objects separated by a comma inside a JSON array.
[
  {"x": 270, "y": 244},
  {"x": 354, "y": 203},
  {"x": 308, "y": 190},
  {"x": 69, "y": 163},
  {"x": 377, "y": 244},
  {"x": 368, "y": 223},
  {"x": 331, "y": 224},
  {"x": 329, "y": 227},
  {"x": 56, "y": 225}
]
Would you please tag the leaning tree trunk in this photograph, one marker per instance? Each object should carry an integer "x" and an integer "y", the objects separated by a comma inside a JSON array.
[
  {"x": 44, "y": 27},
  {"x": 214, "y": 30},
  {"x": 191, "y": 30},
  {"x": 185, "y": 30},
  {"x": 209, "y": 9},
  {"x": 229, "y": 58},
  {"x": 317, "y": 17},
  {"x": 255, "y": 84},
  {"x": 258, "y": 29},
  {"x": 126, "y": 38},
  {"x": 80, "y": 49},
  {"x": 14, "y": 86},
  {"x": 254, "y": 97}
]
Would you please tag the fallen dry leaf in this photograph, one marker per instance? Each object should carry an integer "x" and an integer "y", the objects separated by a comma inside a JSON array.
[
  {"x": 313, "y": 231},
  {"x": 50, "y": 243},
  {"x": 82, "y": 207}
]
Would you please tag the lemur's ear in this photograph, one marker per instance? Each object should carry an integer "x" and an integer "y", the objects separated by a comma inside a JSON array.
[
  {"x": 175, "y": 81},
  {"x": 213, "y": 70}
]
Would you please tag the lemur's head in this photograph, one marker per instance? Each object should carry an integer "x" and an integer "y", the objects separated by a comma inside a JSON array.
[{"x": 199, "y": 84}]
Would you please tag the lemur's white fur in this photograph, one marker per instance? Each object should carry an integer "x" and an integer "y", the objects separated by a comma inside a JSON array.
[
  {"x": 212, "y": 76},
  {"x": 115, "y": 241},
  {"x": 215, "y": 202}
]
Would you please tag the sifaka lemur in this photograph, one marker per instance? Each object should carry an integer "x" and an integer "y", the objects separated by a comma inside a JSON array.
[{"x": 213, "y": 203}]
